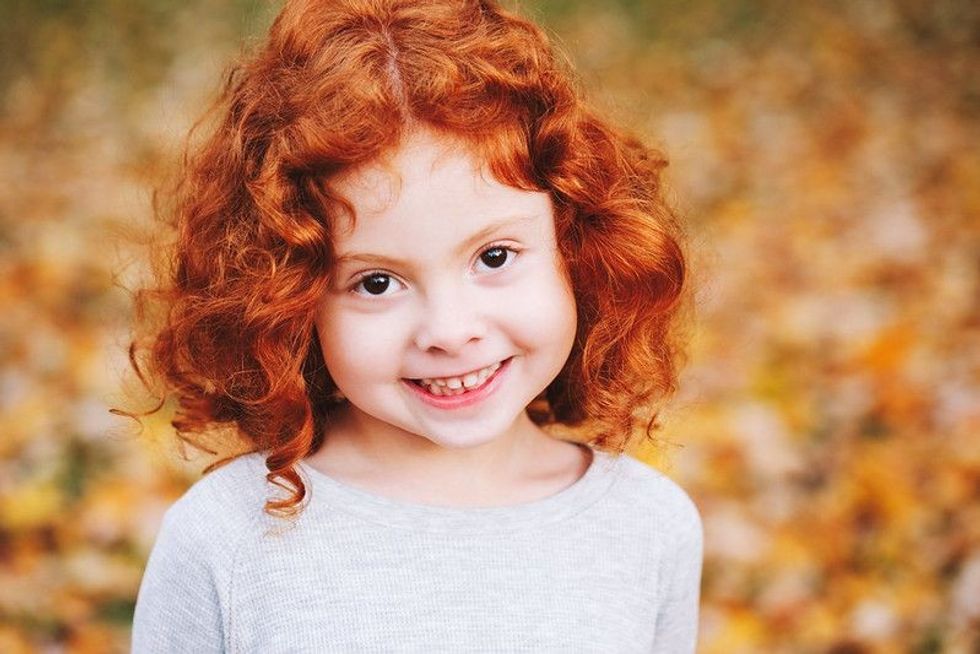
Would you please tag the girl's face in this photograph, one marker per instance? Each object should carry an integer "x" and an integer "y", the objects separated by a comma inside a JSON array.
[{"x": 448, "y": 312}]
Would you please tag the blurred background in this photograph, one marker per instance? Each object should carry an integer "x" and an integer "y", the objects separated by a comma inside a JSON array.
[{"x": 825, "y": 156}]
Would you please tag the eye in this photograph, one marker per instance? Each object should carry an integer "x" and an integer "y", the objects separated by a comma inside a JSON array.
[
  {"x": 375, "y": 284},
  {"x": 496, "y": 256}
]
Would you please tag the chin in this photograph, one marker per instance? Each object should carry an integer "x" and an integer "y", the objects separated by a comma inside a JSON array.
[{"x": 453, "y": 439}]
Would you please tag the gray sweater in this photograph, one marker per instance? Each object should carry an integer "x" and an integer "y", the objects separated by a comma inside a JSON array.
[{"x": 612, "y": 563}]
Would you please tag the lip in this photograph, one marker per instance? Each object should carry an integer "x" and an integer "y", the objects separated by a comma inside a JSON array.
[
  {"x": 461, "y": 374},
  {"x": 465, "y": 399}
]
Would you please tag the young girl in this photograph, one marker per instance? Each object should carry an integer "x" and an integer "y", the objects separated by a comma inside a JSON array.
[{"x": 407, "y": 249}]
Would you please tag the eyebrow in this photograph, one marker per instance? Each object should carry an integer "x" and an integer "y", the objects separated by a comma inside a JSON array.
[{"x": 363, "y": 257}]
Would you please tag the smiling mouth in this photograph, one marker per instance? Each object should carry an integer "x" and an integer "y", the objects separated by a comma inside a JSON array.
[{"x": 460, "y": 385}]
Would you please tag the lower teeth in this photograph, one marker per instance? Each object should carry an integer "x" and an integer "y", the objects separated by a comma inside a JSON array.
[
  {"x": 446, "y": 391},
  {"x": 449, "y": 391}
]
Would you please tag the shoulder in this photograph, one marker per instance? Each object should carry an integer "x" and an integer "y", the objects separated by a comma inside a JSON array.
[
  {"x": 230, "y": 491},
  {"x": 650, "y": 497},
  {"x": 229, "y": 500},
  {"x": 193, "y": 559}
]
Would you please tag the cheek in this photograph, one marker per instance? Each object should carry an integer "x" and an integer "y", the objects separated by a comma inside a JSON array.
[
  {"x": 564, "y": 320},
  {"x": 358, "y": 345},
  {"x": 546, "y": 317}
]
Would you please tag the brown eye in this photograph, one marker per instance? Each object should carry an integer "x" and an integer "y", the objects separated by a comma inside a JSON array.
[
  {"x": 377, "y": 284},
  {"x": 374, "y": 284},
  {"x": 495, "y": 257}
]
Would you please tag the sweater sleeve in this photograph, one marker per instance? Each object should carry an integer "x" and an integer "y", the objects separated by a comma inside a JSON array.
[
  {"x": 677, "y": 621},
  {"x": 178, "y": 607}
]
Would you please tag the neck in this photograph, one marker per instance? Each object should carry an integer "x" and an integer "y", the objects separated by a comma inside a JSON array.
[{"x": 360, "y": 448}]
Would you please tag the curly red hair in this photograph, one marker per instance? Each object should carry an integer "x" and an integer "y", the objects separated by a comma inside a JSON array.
[{"x": 335, "y": 85}]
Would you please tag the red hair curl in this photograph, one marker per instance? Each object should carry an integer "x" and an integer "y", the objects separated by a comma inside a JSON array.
[{"x": 337, "y": 84}]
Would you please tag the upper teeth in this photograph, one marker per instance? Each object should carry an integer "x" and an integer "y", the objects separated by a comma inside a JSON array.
[{"x": 469, "y": 380}]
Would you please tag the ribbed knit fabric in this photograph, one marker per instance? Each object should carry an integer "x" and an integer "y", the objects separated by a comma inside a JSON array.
[{"x": 611, "y": 563}]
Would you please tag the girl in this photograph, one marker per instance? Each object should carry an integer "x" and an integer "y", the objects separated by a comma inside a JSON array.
[{"x": 406, "y": 250}]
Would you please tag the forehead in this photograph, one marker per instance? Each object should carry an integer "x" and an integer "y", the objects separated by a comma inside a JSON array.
[
  {"x": 421, "y": 161},
  {"x": 428, "y": 185}
]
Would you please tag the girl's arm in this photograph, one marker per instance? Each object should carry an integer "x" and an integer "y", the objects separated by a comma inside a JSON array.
[
  {"x": 677, "y": 621},
  {"x": 177, "y": 608}
]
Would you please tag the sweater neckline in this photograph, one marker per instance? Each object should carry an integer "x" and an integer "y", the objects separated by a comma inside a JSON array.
[{"x": 329, "y": 494}]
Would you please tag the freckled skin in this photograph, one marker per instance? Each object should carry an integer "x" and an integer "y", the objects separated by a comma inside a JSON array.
[{"x": 443, "y": 310}]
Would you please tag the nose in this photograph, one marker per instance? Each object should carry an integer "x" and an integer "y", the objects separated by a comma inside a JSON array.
[{"x": 450, "y": 319}]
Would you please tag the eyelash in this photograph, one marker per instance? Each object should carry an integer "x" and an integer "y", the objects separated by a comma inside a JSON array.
[{"x": 367, "y": 275}]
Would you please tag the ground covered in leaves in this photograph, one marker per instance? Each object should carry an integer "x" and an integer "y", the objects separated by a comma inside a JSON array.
[{"x": 825, "y": 158}]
